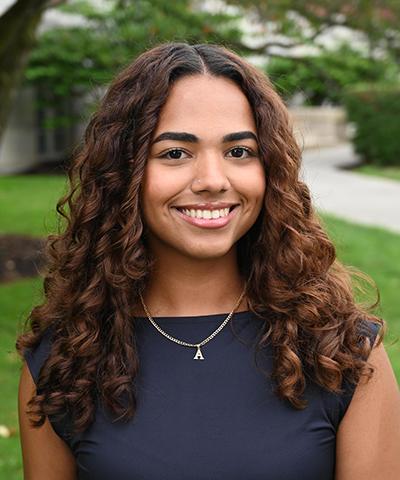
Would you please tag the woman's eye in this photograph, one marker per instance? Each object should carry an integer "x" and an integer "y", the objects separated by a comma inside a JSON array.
[
  {"x": 237, "y": 152},
  {"x": 174, "y": 154}
]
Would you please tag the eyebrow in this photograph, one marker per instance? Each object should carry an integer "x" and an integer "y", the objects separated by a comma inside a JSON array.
[{"x": 189, "y": 137}]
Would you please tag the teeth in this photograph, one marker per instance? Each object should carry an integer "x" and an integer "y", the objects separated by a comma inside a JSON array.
[{"x": 223, "y": 212}]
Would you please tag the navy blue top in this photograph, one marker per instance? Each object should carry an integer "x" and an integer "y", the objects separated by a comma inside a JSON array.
[{"x": 210, "y": 419}]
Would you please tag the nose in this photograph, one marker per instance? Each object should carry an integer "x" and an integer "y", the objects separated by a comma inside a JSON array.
[{"x": 210, "y": 174}]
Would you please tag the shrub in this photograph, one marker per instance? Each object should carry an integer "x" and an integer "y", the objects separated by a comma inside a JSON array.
[{"x": 375, "y": 112}]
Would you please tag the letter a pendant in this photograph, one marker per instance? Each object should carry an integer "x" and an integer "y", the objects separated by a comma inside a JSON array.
[{"x": 198, "y": 355}]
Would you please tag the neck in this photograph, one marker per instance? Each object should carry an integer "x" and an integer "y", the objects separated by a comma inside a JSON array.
[{"x": 190, "y": 287}]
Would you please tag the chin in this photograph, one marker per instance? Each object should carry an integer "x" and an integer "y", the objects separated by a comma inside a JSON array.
[{"x": 207, "y": 253}]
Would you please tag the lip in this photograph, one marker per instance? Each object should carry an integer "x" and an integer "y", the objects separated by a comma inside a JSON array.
[
  {"x": 207, "y": 206},
  {"x": 208, "y": 222}
]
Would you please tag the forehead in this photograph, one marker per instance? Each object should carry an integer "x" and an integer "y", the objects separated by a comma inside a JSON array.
[{"x": 206, "y": 105}]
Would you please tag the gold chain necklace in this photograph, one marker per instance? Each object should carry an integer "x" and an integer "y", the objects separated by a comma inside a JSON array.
[{"x": 198, "y": 355}]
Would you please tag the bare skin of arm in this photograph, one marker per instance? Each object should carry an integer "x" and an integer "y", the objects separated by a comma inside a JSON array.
[
  {"x": 45, "y": 455},
  {"x": 368, "y": 438}
]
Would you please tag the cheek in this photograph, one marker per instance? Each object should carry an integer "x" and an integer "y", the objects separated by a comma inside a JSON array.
[
  {"x": 160, "y": 187},
  {"x": 259, "y": 183},
  {"x": 260, "y": 186},
  {"x": 150, "y": 191},
  {"x": 154, "y": 187},
  {"x": 252, "y": 185}
]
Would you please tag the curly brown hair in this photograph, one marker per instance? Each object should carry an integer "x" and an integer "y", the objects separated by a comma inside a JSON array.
[{"x": 98, "y": 263}]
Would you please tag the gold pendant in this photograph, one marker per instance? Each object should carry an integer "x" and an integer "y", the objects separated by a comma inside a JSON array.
[{"x": 198, "y": 355}]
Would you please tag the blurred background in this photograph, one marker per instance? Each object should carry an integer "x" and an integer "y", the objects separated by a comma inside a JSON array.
[{"x": 336, "y": 63}]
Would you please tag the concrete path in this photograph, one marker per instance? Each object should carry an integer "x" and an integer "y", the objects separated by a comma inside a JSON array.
[{"x": 353, "y": 196}]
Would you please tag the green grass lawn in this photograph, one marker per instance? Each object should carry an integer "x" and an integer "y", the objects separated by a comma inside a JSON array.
[
  {"x": 393, "y": 173},
  {"x": 29, "y": 199},
  {"x": 16, "y": 300},
  {"x": 375, "y": 252},
  {"x": 27, "y": 203}
]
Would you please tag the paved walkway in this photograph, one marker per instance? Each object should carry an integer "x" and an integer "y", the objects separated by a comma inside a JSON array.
[{"x": 353, "y": 196}]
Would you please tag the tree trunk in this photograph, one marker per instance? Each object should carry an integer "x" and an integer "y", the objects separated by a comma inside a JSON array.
[{"x": 17, "y": 34}]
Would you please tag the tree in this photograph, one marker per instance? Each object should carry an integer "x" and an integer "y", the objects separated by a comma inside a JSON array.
[
  {"x": 72, "y": 61},
  {"x": 289, "y": 24},
  {"x": 17, "y": 32},
  {"x": 324, "y": 78}
]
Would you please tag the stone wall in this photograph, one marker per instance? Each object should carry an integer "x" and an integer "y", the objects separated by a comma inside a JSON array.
[{"x": 318, "y": 127}]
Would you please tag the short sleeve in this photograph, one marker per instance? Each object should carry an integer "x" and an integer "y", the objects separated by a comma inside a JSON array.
[
  {"x": 35, "y": 359},
  {"x": 370, "y": 329}
]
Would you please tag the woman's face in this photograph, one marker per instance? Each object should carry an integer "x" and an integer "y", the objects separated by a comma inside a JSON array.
[{"x": 204, "y": 184}]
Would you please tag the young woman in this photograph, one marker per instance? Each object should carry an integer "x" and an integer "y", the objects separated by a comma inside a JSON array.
[{"x": 196, "y": 324}]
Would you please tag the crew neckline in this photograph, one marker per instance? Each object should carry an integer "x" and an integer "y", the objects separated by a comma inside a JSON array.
[{"x": 189, "y": 319}]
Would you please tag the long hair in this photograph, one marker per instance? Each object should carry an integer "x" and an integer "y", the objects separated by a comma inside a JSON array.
[{"x": 98, "y": 263}]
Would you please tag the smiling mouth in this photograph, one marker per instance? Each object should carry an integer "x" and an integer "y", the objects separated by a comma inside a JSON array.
[{"x": 207, "y": 214}]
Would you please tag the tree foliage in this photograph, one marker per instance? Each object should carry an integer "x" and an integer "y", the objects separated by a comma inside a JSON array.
[
  {"x": 73, "y": 60},
  {"x": 322, "y": 79},
  {"x": 375, "y": 113},
  {"x": 70, "y": 61},
  {"x": 292, "y": 23}
]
